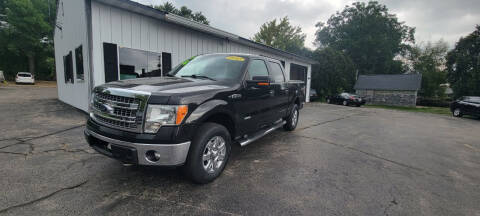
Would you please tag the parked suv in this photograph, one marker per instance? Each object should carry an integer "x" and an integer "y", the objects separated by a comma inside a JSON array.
[
  {"x": 195, "y": 114},
  {"x": 467, "y": 105}
]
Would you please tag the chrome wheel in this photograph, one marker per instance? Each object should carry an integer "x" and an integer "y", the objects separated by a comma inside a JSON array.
[
  {"x": 456, "y": 112},
  {"x": 328, "y": 100},
  {"x": 294, "y": 117},
  {"x": 214, "y": 154},
  {"x": 345, "y": 103}
]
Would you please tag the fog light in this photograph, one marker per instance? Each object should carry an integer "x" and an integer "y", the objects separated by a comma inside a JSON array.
[{"x": 152, "y": 156}]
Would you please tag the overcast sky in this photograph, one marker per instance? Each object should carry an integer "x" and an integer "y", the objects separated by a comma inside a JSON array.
[{"x": 433, "y": 19}]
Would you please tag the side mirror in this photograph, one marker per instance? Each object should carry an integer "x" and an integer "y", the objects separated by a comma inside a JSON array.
[{"x": 259, "y": 82}]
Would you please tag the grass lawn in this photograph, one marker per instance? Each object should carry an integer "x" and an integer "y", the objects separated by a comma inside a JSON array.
[{"x": 435, "y": 110}]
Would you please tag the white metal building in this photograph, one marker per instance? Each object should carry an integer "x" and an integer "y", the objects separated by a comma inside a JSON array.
[{"x": 98, "y": 41}]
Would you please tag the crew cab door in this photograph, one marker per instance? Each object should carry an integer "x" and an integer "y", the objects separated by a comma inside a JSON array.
[
  {"x": 280, "y": 86},
  {"x": 253, "y": 108}
]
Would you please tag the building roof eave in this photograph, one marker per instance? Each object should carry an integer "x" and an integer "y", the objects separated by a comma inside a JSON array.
[{"x": 178, "y": 20}]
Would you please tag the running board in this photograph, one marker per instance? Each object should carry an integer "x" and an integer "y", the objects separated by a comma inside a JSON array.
[{"x": 244, "y": 142}]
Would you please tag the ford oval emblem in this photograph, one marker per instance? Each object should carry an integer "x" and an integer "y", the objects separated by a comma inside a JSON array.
[{"x": 107, "y": 108}]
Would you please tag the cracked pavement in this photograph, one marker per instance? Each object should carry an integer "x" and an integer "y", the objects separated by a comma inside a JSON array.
[{"x": 339, "y": 161}]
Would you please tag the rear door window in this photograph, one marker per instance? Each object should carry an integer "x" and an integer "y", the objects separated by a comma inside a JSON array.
[
  {"x": 257, "y": 67},
  {"x": 277, "y": 72}
]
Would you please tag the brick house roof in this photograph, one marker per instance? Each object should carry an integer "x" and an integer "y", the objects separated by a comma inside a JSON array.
[{"x": 410, "y": 82}]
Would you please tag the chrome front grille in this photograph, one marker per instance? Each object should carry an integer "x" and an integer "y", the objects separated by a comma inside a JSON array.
[
  {"x": 119, "y": 108},
  {"x": 119, "y": 99}
]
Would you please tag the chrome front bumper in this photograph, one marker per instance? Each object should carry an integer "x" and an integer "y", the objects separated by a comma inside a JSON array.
[{"x": 170, "y": 154}]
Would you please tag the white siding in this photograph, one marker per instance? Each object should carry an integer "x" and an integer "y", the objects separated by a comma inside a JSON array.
[
  {"x": 132, "y": 30},
  {"x": 142, "y": 32},
  {"x": 72, "y": 19}
]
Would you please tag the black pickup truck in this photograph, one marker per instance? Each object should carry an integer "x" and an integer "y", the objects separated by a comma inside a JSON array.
[{"x": 193, "y": 115}]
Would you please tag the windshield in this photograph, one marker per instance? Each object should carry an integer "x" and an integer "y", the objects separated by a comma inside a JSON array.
[
  {"x": 472, "y": 99},
  {"x": 349, "y": 95},
  {"x": 215, "y": 67}
]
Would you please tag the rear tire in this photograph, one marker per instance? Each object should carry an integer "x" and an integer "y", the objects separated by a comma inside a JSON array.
[
  {"x": 457, "y": 112},
  {"x": 328, "y": 101},
  {"x": 345, "y": 103},
  {"x": 292, "y": 119},
  {"x": 208, "y": 154}
]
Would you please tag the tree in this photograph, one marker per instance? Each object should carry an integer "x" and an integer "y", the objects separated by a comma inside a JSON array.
[
  {"x": 334, "y": 72},
  {"x": 281, "y": 35},
  {"x": 184, "y": 12},
  {"x": 369, "y": 35},
  {"x": 463, "y": 65},
  {"x": 27, "y": 31},
  {"x": 430, "y": 62}
]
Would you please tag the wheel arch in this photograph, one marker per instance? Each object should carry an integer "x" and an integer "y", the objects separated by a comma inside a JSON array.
[{"x": 215, "y": 111}]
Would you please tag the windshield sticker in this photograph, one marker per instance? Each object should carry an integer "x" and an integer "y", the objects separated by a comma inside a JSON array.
[
  {"x": 188, "y": 60},
  {"x": 235, "y": 58}
]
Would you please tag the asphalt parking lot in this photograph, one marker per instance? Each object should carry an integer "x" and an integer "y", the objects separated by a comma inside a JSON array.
[{"x": 339, "y": 161}]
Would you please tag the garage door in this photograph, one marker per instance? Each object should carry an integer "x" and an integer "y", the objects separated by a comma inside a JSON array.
[{"x": 298, "y": 72}]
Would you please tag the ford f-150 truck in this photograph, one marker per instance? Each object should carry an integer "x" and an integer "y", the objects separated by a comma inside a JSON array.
[{"x": 194, "y": 114}]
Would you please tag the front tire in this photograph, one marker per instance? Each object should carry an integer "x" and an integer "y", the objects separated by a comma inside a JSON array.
[
  {"x": 457, "y": 112},
  {"x": 328, "y": 101},
  {"x": 292, "y": 119},
  {"x": 208, "y": 154},
  {"x": 345, "y": 103}
]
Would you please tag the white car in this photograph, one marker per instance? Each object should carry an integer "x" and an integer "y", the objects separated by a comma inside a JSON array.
[
  {"x": 24, "y": 77},
  {"x": 2, "y": 77}
]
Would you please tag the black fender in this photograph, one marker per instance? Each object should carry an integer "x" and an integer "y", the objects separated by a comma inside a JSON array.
[
  {"x": 297, "y": 96},
  {"x": 207, "y": 109}
]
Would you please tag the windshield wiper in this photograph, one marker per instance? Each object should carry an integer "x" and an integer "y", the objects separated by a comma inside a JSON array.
[{"x": 199, "y": 76}]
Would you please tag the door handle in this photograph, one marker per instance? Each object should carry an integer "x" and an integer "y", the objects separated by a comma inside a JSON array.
[{"x": 235, "y": 96}]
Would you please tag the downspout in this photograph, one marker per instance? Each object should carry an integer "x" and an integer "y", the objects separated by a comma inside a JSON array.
[{"x": 88, "y": 14}]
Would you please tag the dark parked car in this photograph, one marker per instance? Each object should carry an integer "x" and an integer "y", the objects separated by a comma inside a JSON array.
[
  {"x": 193, "y": 115},
  {"x": 346, "y": 99},
  {"x": 467, "y": 105}
]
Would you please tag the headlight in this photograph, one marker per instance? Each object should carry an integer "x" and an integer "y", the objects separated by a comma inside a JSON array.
[{"x": 159, "y": 115}]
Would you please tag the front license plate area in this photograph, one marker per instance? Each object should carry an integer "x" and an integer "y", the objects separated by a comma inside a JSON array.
[{"x": 124, "y": 154}]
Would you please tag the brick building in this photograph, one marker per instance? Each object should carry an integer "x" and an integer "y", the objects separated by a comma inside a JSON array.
[{"x": 394, "y": 90}]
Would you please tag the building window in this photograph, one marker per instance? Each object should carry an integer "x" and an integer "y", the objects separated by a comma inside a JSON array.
[
  {"x": 68, "y": 67},
  {"x": 166, "y": 62},
  {"x": 79, "y": 62},
  {"x": 138, "y": 63},
  {"x": 298, "y": 72},
  {"x": 110, "y": 62}
]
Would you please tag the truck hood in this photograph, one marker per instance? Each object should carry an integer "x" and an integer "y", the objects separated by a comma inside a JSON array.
[{"x": 173, "y": 90}]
